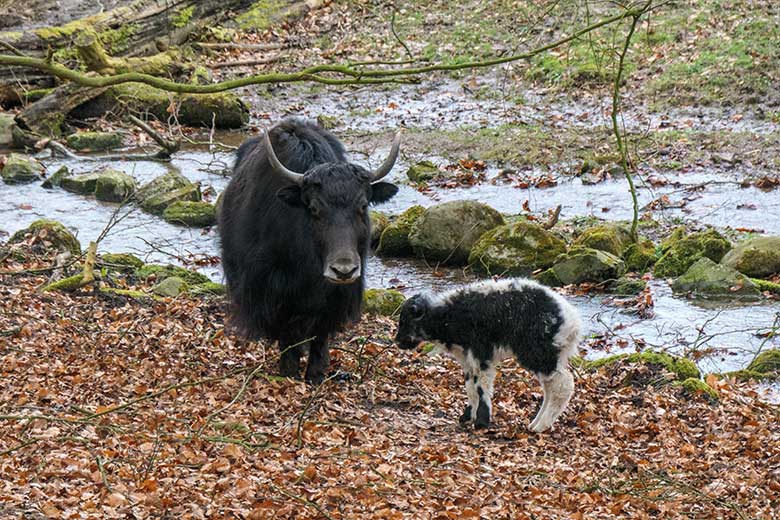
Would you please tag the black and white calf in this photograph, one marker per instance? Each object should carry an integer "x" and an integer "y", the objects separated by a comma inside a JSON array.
[{"x": 485, "y": 322}]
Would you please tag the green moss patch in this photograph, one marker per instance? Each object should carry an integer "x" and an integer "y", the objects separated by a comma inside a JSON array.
[
  {"x": 516, "y": 249},
  {"x": 695, "y": 387},
  {"x": 49, "y": 233},
  {"x": 682, "y": 250},
  {"x": 161, "y": 272},
  {"x": 394, "y": 240},
  {"x": 681, "y": 368},
  {"x": 383, "y": 302},
  {"x": 191, "y": 213}
]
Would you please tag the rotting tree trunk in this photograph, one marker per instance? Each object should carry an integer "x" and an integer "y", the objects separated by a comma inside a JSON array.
[{"x": 135, "y": 29}]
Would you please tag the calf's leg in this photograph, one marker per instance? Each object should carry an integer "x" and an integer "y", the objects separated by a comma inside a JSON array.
[
  {"x": 473, "y": 397},
  {"x": 558, "y": 388},
  {"x": 484, "y": 385}
]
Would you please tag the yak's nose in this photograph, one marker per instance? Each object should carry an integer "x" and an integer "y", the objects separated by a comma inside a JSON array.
[{"x": 344, "y": 270}]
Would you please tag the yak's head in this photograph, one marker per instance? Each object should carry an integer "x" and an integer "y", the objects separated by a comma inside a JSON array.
[
  {"x": 336, "y": 197},
  {"x": 411, "y": 323}
]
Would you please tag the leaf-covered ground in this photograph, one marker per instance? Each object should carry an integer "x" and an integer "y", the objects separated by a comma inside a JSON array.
[{"x": 122, "y": 408}]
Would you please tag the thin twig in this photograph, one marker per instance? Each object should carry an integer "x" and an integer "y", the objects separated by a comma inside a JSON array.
[
  {"x": 398, "y": 38},
  {"x": 301, "y": 500}
]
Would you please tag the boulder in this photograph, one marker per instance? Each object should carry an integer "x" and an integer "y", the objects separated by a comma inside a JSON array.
[
  {"x": 170, "y": 287},
  {"x": 114, "y": 186},
  {"x": 756, "y": 257},
  {"x": 7, "y": 125},
  {"x": 516, "y": 249},
  {"x": 208, "y": 288},
  {"x": 767, "y": 363},
  {"x": 379, "y": 222},
  {"x": 121, "y": 261},
  {"x": 49, "y": 233},
  {"x": 611, "y": 238},
  {"x": 160, "y": 272},
  {"x": 56, "y": 178},
  {"x": 422, "y": 171},
  {"x": 383, "y": 302},
  {"x": 640, "y": 256},
  {"x": 83, "y": 184},
  {"x": 20, "y": 169},
  {"x": 583, "y": 264},
  {"x": 191, "y": 213},
  {"x": 95, "y": 141},
  {"x": 166, "y": 189},
  {"x": 447, "y": 232},
  {"x": 705, "y": 278},
  {"x": 625, "y": 286},
  {"x": 394, "y": 240},
  {"x": 681, "y": 251}
]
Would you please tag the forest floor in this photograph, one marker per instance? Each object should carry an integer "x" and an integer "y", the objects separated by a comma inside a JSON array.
[{"x": 114, "y": 407}]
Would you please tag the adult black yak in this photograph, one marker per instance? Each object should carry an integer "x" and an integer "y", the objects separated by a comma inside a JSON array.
[{"x": 294, "y": 245}]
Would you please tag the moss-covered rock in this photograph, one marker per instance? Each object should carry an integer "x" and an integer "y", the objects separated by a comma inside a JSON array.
[
  {"x": 383, "y": 302},
  {"x": 612, "y": 238},
  {"x": 95, "y": 141},
  {"x": 83, "y": 184},
  {"x": 706, "y": 278},
  {"x": 625, "y": 286},
  {"x": 191, "y": 213},
  {"x": 516, "y": 249},
  {"x": 208, "y": 288},
  {"x": 447, "y": 232},
  {"x": 160, "y": 272},
  {"x": 640, "y": 256},
  {"x": 582, "y": 264},
  {"x": 114, "y": 186},
  {"x": 756, "y": 257},
  {"x": 394, "y": 240},
  {"x": 681, "y": 368},
  {"x": 261, "y": 15},
  {"x": 121, "y": 261},
  {"x": 695, "y": 387},
  {"x": 56, "y": 178},
  {"x": 379, "y": 222},
  {"x": 422, "y": 171},
  {"x": 51, "y": 234},
  {"x": 166, "y": 189},
  {"x": 767, "y": 364},
  {"x": 170, "y": 287},
  {"x": 20, "y": 169},
  {"x": 7, "y": 124},
  {"x": 681, "y": 251}
]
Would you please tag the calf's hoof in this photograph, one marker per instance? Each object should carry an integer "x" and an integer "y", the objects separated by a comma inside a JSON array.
[
  {"x": 466, "y": 417},
  {"x": 481, "y": 424}
]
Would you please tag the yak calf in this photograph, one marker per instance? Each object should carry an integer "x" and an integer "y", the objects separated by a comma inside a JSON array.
[{"x": 485, "y": 322}]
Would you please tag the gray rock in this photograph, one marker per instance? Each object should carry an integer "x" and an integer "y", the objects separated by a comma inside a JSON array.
[
  {"x": 56, "y": 178},
  {"x": 189, "y": 213},
  {"x": 83, "y": 184},
  {"x": 583, "y": 264},
  {"x": 95, "y": 141},
  {"x": 7, "y": 125},
  {"x": 170, "y": 287},
  {"x": 114, "y": 186},
  {"x": 20, "y": 169},
  {"x": 706, "y": 278},
  {"x": 516, "y": 249},
  {"x": 166, "y": 189},
  {"x": 756, "y": 257},
  {"x": 447, "y": 232}
]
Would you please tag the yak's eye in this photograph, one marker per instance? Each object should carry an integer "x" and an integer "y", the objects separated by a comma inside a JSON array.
[{"x": 363, "y": 209}]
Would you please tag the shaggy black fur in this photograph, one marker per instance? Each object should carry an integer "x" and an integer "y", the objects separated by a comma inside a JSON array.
[
  {"x": 276, "y": 236},
  {"x": 525, "y": 321}
]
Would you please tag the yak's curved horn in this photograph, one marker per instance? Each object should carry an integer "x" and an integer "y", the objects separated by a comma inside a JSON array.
[
  {"x": 278, "y": 167},
  {"x": 386, "y": 166}
]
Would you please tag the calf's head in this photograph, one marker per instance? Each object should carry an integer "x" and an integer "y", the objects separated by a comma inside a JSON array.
[
  {"x": 411, "y": 323},
  {"x": 335, "y": 197}
]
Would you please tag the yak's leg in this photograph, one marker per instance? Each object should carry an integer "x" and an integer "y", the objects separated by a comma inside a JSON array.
[
  {"x": 484, "y": 386},
  {"x": 471, "y": 393},
  {"x": 290, "y": 358},
  {"x": 558, "y": 388},
  {"x": 319, "y": 360}
]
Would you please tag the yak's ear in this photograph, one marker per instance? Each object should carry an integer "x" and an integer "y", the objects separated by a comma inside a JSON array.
[
  {"x": 382, "y": 191},
  {"x": 291, "y": 195}
]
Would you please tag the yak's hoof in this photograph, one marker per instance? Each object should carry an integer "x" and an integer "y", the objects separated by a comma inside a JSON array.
[
  {"x": 289, "y": 371},
  {"x": 466, "y": 417}
]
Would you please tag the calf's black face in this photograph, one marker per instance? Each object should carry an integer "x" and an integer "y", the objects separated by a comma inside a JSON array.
[
  {"x": 411, "y": 330},
  {"x": 335, "y": 197}
]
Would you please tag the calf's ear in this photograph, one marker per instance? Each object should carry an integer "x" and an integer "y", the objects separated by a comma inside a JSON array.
[
  {"x": 382, "y": 191},
  {"x": 291, "y": 195}
]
